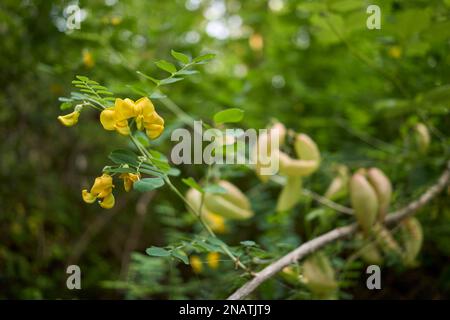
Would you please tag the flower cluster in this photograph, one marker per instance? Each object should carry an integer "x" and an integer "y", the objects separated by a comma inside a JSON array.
[
  {"x": 141, "y": 111},
  {"x": 103, "y": 186}
]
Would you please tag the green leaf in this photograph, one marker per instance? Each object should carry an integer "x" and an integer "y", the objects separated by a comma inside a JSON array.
[
  {"x": 204, "y": 57},
  {"x": 148, "y": 184},
  {"x": 192, "y": 183},
  {"x": 248, "y": 243},
  {"x": 214, "y": 188},
  {"x": 229, "y": 116},
  {"x": 166, "y": 66},
  {"x": 122, "y": 156},
  {"x": 179, "y": 254},
  {"x": 157, "y": 95},
  {"x": 119, "y": 170},
  {"x": 180, "y": 56},
  {"x": 169, "y": 80},
  {"x": 82, "y": 78},
  {"x": 155, "y": 81},
  {"x": 157, "y": 252},
  {"x": 65, "y": 105},
  {"x": 187, "y": 72}
]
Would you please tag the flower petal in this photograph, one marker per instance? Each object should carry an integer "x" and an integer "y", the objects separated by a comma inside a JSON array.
[
  {"x": 101, "y": 184},
  {"x": 88, "y": 197},
  {"x": 69, "y": 119},
  {"x": 107, "y": 202},
  {"x": 145, "y": 106},
  {"x": 108, "y": 118},
  {"x": 154, "y": 131},
  {"x": 122, "y": 127},
  {"x": 125, "y": 109}
]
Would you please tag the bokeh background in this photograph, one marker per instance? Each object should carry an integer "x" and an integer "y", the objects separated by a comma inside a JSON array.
[{"x": 313, "y": 65}]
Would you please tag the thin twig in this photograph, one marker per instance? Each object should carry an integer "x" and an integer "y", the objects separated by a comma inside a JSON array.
[
  {"x": 336, "y": 234},
  {"x": 327, "y": 202}
]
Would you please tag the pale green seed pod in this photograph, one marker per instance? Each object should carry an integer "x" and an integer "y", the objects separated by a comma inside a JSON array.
[
  {"x": 369, "y": 251},
  {"x": 296, "y": 168},
  {"x": 319, "y": 276},
  {"x": 262, "y": 151},
  {"x": 386, "y": 241},
  {"x": 219, "y": 205},
  {"x": 290, "y": 194},
  {"x": 234, "y": 194},
  {"x": 306, "y": 148},
  {"x": 422, "y": 137},
  {"x": 290, "y": 274},
  {"x": 412, "y": 239},
  {"x": 364, "y": 201},
  {"x": 382, "y": 185},
  {"x": 278, "y": 131},
  {"x": 232, "y": 205},
  {"x": 339, "y": 185},
  {"x": 194, "y": 198}
]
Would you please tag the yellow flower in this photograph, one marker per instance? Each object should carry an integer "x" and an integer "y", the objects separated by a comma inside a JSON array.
[
  {"x": 88, "y": 59},
  {"x": 116, "y": 21},
  {"x": 213, "y": 260},
  {"x": 101, "y": 190},
  {"x": 129, "y": 179},
  {"x": 70, "y": 119},
  {"x": 216, "y": 222},
  {"x": 196, "y": 264},
  {"x": 116, "y": 118},
  {"x": 395, "y": 52}
]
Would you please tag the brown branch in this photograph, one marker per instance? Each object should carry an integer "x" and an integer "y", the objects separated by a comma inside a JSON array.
[{"x": 336, "y": 234}]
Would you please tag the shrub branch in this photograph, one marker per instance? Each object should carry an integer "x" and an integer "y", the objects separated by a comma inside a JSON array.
[{"x": 336, "y": 234}]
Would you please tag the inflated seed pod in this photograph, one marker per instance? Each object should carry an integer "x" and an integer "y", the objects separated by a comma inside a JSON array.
[
  {"x": 278, "y": 131},
  {"x": 296, "y": 168},
  {"x": 234, "y": 195},
  {"x": 221, "y": 206},
  {"x": 290, "y": 194},
  {"x": 370, "y": 252},
  {"x": 194, "y": 198},
  {"x": 306, "y": 148},
  {"x": 364, "y": 201},
  {"x": 215, "y": 221},
  {"x": 412, "y": 239},
  {"x": 290, "y": 274},
  {"x": 385, "y": 240},
  {"x": 339, "y": 185},
  {"x": 319, "y": 276},
  {"x": 383, "y": 188},
  {"x": 422, "y": 137}
]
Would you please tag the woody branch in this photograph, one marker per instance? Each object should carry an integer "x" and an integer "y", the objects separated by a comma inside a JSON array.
[{"x": 337, "y": 234}]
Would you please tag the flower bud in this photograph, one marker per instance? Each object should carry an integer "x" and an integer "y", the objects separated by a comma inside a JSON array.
[
  {"x": 319, "y": 276},
  {"x": 290, "y": 194},
  {"x": 412, "y": 239},
  {"x": 364, "y": 201},
  {"x": 383, "y": 188},
  {"x": 306, "y": 148},
  {"x": 70, "y": 119},
  {"x": 422, "y": 137}
]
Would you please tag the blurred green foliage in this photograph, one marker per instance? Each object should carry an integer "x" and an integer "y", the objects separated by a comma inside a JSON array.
[{"x": 313, "y": 65}]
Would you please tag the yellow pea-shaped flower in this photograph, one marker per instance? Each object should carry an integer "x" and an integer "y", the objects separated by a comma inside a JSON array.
[{"x": 70, "y": 119}]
